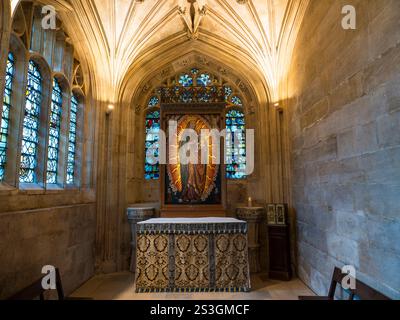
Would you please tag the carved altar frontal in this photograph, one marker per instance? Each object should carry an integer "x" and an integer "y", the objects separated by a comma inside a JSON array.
[{"x": 192, "y": 255}]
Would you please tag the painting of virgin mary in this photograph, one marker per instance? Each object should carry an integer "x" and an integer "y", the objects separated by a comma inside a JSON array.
[{"x": 193, "y": 182}]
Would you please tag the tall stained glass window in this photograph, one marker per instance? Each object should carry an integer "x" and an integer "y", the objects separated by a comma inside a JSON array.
[
  {"x": 235, "y": 152},
  {"x": 5, "y": 114},
  {"x": 152, "y": 145},
  {"x": 30, "y": 132},
  {"x": 54, "y": 133},
  {"x": 72, "y": 141},
  {"x": 235, "y": 124}
]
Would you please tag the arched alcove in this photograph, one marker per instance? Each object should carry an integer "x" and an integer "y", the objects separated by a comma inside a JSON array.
[
  {"x": 127, "y": 124},
  {"x": 149, "y": 189},
  {"x": 138, "y": 90}
]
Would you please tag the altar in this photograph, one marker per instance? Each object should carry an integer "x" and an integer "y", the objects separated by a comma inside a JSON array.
[{"x": 192, "y": 255}]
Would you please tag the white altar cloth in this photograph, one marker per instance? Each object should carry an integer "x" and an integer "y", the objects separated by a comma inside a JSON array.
[{"x": 190, "y": 220}]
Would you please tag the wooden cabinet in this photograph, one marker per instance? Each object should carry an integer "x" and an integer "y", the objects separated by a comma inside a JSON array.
[{"x": 279, "y": 252}]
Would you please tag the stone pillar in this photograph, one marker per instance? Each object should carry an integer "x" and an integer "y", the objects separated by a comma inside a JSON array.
[
  {"x": 253, "y": 217},
  {"x": 5, "y": 23},
  {"x": 136, "y": 215}
]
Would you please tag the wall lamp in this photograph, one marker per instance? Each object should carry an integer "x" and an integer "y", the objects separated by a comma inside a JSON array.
[{"x": 110, "y": 108}]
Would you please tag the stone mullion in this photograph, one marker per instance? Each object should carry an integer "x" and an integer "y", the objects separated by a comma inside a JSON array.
[{"x": 4, "y": 44}]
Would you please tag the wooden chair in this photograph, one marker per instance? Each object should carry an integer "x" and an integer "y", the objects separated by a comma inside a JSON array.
[
  {"x": 362, "y": 291},
  {"x": 36, "y": 291}
]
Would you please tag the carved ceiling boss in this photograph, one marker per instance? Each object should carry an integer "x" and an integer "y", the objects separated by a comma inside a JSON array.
[{"x": 192, "y": 12}]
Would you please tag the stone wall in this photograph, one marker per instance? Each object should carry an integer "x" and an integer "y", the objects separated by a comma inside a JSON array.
[
  {"x": 344, "y": 105},
  {"x": 60, "y": 236}
]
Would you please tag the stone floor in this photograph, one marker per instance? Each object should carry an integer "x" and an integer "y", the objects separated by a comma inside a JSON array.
[{"x": 120, "y": 286}]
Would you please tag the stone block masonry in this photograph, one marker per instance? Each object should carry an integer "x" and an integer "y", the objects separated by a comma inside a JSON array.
[
  {"x": 60, "y": 236},
  {"x": 345, "y": 136}
]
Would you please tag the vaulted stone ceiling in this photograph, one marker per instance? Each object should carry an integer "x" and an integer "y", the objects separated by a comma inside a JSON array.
[{"x": 118, "y": 33}]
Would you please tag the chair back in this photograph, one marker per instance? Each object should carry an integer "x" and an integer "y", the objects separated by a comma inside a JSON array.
[{"x": 361, "y": 291}]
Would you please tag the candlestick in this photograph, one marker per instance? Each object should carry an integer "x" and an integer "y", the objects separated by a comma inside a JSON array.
[{"x": 249, "y": 202}]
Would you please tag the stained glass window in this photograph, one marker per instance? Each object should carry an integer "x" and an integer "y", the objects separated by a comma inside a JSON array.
[
  {"x": 187, "y": 96},
  {"x": 235, "y": 123},
  {"x": 30, "y": 131},
  {"x": 153, "y": 102},
  {"x": 236, "y": 101},
  {"x": 72, "y": 141},
  {"x": 203, "y": 80},
  {"x": 54, "y": 133},
  {"x": 186, "y": 80},
  {"x": 228, "y": 92},
  {"x": 235, "y": 152},
  {"x": 5, "y": 114},
  {"x": 152, "y": 145}
]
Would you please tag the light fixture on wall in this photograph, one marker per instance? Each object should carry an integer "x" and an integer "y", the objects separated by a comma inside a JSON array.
[
  {"x": 110, "y": 108},
  {"x": 278, "y": 107}
]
